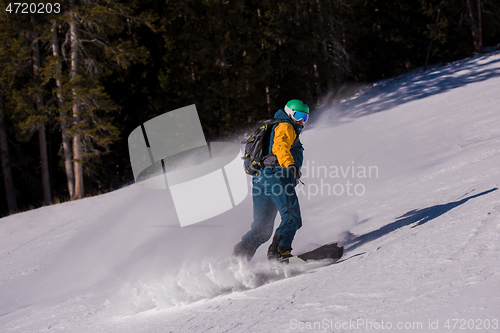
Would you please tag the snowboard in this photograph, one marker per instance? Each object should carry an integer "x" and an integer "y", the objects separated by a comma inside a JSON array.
[
  {"x": 322, "y": 256},
  {"x": 332, "y": 251}
]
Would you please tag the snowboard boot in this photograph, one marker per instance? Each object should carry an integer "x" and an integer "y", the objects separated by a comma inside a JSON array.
[
  {"x": 244, "y": 251},
  {"x": 272, "y": 251},
  {"x": 279, "y": 253},
  {"x": 284, "y": 254}
]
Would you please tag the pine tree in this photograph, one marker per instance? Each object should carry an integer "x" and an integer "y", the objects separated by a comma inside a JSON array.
[
  {"x": 14, "y": 54},
  {"x": 89, "y": 54},
  {"x": 10, "y": 190},
  {"x": 39, "y": 104},
  {"x": 30, "y": 112},
  {"x": 54, "y": 69}
]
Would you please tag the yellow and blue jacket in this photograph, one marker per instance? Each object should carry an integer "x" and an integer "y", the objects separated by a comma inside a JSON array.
[{"x": 282, "y": 141}]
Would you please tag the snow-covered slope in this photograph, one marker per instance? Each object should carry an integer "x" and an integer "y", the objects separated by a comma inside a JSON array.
[{"x": 406, "y": 174}]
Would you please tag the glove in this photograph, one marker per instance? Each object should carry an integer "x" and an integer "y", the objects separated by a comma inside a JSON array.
[{"x": 294, "y": 171}]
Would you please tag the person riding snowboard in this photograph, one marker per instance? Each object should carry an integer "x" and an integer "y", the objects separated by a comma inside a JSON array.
[{"x": 274, "y": 187}]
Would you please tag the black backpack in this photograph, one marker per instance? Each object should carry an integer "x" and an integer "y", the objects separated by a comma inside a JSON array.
[{"x": 254, "y": 160}]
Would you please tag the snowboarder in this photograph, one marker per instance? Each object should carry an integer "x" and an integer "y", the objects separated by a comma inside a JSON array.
[{"x": 274, "y": 187}]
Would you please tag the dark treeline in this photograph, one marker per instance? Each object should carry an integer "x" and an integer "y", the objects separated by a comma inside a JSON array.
[{"x": 77, "y": 76}]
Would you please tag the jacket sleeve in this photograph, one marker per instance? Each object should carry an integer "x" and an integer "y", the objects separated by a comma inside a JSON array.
[{"x": 284, "y": 136}]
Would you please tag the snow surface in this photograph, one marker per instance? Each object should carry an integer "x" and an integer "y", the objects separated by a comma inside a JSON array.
[{"x": 420, "y": 217}]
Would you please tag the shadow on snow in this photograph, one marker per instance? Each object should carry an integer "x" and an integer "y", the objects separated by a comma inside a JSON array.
[
  {"x": 418, "y": 216},
  {"x": 391, "y": 93}
]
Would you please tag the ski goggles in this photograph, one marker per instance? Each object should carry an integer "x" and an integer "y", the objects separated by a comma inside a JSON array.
[{"x": 297, "y": 115}]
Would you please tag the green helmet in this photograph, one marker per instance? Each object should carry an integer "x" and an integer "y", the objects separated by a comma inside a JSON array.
[
  {"x": 297, "y": 110},
  {"x": 296, "y": 105}
]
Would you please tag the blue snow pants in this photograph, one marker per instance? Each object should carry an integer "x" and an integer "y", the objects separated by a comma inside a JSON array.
[{"x": 273, "y": 191}]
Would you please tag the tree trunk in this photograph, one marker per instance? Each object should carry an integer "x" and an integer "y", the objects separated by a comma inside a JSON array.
[
  {"x": 432, "y": 38},
  {"x": 70, "y": 176},
  {"x": 77, "y": 144},
  {"x": 475, "y": 28},
  {"x": 296, "y": 13},
  {"x": 480, "y": 26},
  {"x": 319, "y": 92},
  {"x": 268, "y": 101},
  {"x": 10, "y": 191},
  {"x": 325, "y": 49},
  {"x": 42, "y": 140}
]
